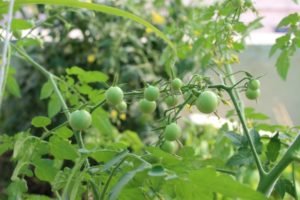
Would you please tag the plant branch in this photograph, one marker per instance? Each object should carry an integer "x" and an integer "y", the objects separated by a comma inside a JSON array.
[
  {"x": 110, "y": 177},
  {"x": 5, "y": 60},
  {"x": 261, "y": 171},
  {"x": 267, "y": 183}
]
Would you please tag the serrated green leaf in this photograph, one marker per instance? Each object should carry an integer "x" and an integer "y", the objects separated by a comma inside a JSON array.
[
  {"x": 30, "y": 42},
  {"x": 103, "y": 155},
  {"x": 117, "y": 159},
  {"x": 62, "y": 149},
  {"x": 282, "y": 41},
  {"x": 45, "y": 170},
  {"x": 40, "y": 121},
  {"x": 46, "y": 90},
  {"x": 20, "y": 24},
  {"x": 223, "y": 184},
  {"x": 6, "y": 143},
  {"x": 273, "y": 50},
  {"x": 64, "y": 132},
  {"x": 235, "y": 138},
  {"x": 114, "y": 193},
  {"x": 16, "y": 189},
  {"x": 257, "y": 116},
  {"x": 256, "y": 140},
  {"x": 75, "y": 71},
  {"x": 101, "y": 121},
  {"x": 54, "y": 106},
  {"x": 12, "y": 86},
  {"x": 60, "y": 179},
  {"x": 273, "y": 148},
  {"x": 242, "y": 157},
  {"x": 283, "y": 64},
  {"x": 289, "y": 20}
]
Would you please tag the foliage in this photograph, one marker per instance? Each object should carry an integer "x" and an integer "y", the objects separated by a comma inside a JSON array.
[{"x": 120, "y": 154}]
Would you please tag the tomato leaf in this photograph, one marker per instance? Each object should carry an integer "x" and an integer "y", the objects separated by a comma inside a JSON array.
[
  {"x": 46, "y": 91},
  {"x": 54, "y": 106},
  {"x": 12, "y": 85},
  {"x": 45, "y": 170},
  {"x": 283, "y": 64},
  {"x": 64, "y": 132},
  {"x": 17, "y": 188},
  {"x": 62, "y": 149},
  {"x": 20, "y": 24},
  {"x": 273, "y": 148},
  {"x": 40, "y": 121},
  {"x": 114, "y": 193}
]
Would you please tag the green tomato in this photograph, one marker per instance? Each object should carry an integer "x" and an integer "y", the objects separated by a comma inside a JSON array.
[
  {"x": 80, "y": 120},
  {"x": 114, "y": 95},
  {"x": 169, "y": 147},
  {"x": 172, "y": 132},
  {"x": 254, "y": 84},
  {"x": 176, "y": 84},
  {"x": 151, "y": 93},
  {"x": 171, "y": 100},
  {"x": 207, "y": 102},
  {"x": 147, "y": 106},
  {"x": 252, "y": 94},
  {"x": 122, "y": 107}
]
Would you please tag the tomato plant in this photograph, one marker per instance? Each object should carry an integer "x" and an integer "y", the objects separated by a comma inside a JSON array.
[{"x": 134, "y": 146}]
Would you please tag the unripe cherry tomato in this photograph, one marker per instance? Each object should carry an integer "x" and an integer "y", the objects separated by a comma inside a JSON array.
[
  {"x": 207, "y": 102},
  {"x": 252, "y": 94},
  {"x": 169, "y": 147},
  {"x": 114, "y": 95},
  {"x": 172, "y": 132},
  {"x": 171, "y": 101},
  {"x": 147, "y": 106},
  {"x": 122, "y": 107},
  {"x": 176, "y": 84},
  {"x": 254, "y": 84},
  {"x": 151, "y": 93},
  {"x": 80, "y": 120}
]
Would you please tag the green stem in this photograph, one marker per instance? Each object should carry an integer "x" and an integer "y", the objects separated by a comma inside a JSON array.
[
  {"x": 232, "y": 80},
  {"x": 267, "y": 182},
  {"x": 48, "y": 75},
  {"x": 5, "y": 58},
  {"x": 30, "y": 60},
  {"x": 294, "y": 179},
  {"x": 109, "y": 178},
  {"x": 76, "y": 168},
  {"x": 261, "y": 171},
  {"x": 58, "y": 93}
]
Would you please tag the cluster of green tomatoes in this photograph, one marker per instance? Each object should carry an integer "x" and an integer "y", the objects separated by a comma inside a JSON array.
[
  {"x": 253, "y": 89},
  {"x": 206, "y": 102}
]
